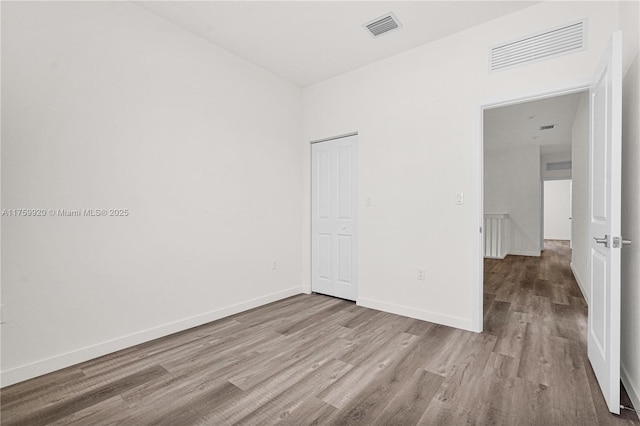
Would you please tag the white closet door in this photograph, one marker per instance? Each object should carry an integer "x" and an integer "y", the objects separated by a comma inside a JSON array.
[{"x": 333, "y": 223}]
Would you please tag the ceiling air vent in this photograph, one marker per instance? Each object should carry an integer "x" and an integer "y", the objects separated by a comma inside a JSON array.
[
  {"x": 548, "y": 127},
  {"x": 569, "y": 38},
  {"x": 383, "y": 24}
]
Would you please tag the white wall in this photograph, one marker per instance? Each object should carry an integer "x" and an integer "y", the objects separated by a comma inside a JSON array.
[
  {"x": 512, "y": 185},
  {"x": 630, "y": 349},
  {"x": 105, "y": 105},
  {"x": 418, "y": 118},
  {"x": 552, "y": 158},
  {"x": 557, "y": 210},
  {"x": 580, "y": 195}
]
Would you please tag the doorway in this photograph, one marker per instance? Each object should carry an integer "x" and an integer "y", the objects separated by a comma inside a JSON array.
[
  {"x": 603, "y": 210},
  {"x": 526, "y": 145},
  {"x": 556, "y": 222}
]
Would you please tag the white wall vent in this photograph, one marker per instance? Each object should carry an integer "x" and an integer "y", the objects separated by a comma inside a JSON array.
[
  {"x": 569, "y": 38},
  {"x": 383, "y": 24}
]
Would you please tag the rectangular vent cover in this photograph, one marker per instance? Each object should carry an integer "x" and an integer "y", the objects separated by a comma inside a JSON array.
[
  {"x": 383, "y": 24},
  {"x": 548, "y": 127},
  {"x": 548, "y": 44},
  {"x": 560, "y": 165}
]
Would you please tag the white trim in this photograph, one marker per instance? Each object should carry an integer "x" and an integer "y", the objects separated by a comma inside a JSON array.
[
  {"x": 534, "y": 253},
  {"x": 435, "y": 317},
  {"x": 579, "y": 281},
  {"x": 346, "y": 135},
  {"x": 557, "y": 238},
  {"x": 535, "y": 96},
  {"x": 532, "y": 95},
  {"x": 633, "y": 389},
  {"x": 38, "y": 368}
]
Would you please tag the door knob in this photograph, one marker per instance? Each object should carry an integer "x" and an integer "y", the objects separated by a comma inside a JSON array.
[
  {"x": 604, "y": 240},
  {"x": 626, "y": 242}
]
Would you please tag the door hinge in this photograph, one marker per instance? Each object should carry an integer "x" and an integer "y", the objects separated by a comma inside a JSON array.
[{"x": 481, "y": 229}]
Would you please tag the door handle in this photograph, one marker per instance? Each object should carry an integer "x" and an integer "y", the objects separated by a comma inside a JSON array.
[
  {"x": 604, "y": 240},
  {"x": 626, "y": 242}
]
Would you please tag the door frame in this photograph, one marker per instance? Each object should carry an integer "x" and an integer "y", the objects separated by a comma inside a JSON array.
[{"x": 525, "y": 96}]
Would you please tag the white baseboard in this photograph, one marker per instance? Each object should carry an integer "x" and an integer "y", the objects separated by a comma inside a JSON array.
[
  {"x": 579, "y": 281},
  {"x": 525, "y": 253},
  {"x": 29, "y": 371},
  {"x": 633, "y": 389},
  {"x": 457, "y": 322}
]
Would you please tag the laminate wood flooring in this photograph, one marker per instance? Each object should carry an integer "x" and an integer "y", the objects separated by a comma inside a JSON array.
[{"x": 312, "y": 359}]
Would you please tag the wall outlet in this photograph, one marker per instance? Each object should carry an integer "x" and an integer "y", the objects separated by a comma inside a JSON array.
[
  {"x": 274, "y": 264},
  {"x": 422, "y": 272}
]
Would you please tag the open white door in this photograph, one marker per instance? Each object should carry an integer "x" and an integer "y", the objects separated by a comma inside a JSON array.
[
  {"x": 605, "y": 211},
  {"x": 333, "y": 220}
]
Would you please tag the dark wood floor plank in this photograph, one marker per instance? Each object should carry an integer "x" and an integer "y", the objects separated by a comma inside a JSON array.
[
  {"x": 369, "y": 403},
  {"x": 568, "y": 407},
  {"x": 67, "y": 407},
  {"x": 418, "y": 327},
  {"x": 501, "y": 366},
  {"x": 311, "y": 411},
  {"x": 30, "y": 390},
  {"x": 570, "y": 323},
  {"x": 290, "y": 399},
  {"x": 495, "y": 316},
  {"x": 531, "y": 404},
  {"x": 314, "y": 317},
  {"x": 267, "y": 390},
  {"x": 343, "y": 391},
  {"x": 271, "y": 364},
  {"x": 511, "y": 336},
  {"x": 410, "y": 403},
  {"x": 197, "y": 407},
  {"x": 536, "y": 360},
  {"x": 176, "y": 391},
  {"x": 463, "y": 378}
]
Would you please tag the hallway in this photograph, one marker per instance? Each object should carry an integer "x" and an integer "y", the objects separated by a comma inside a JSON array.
[{"x": 536, "y": 309}]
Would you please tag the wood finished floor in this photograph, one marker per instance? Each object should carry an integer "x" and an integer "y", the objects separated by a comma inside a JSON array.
[{"x": 312, "y": 359}]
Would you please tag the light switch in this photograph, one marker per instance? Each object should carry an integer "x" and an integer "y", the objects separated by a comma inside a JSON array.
[
  {"x": 368, "y": 202},
  {"x": 460, "y": 198}
]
